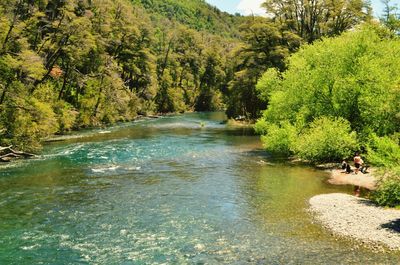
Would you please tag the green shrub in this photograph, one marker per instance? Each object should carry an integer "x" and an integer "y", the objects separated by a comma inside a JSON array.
[
  {"x": 327, "y": 139},
  {"x": 388, "y": 192},
  {"x": 66, "y": 116},
  {"x": 28, "y": 123},
  {"x": 278, "y": 138},
  {"x": 383, "y": 151}
]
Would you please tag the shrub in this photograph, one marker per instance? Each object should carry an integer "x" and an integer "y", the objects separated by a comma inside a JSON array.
[
  {"x": 327, "y": 139},
  {"x": 66, "y": 116},
  {"x": 388, "y": 192},
  {"x": 28, "y": 123},
  {"x": 278, "y": 138},
  {"x": 384, "y": 151}
]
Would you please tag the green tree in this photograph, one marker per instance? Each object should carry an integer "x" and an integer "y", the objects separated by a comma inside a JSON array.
[
  {"x": 351, "y": 77},
  {"x": 266, "y": 45},
  {"x": 313, "y": 19},
  {"x": 390, "y": 16}
]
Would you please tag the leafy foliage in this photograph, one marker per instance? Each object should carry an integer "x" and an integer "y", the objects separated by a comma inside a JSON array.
[
  {"x": 313, "y": 19},
  {"x": 270, "y": 41},
  {"x": 326, "y": 139},
  {"x": 351, "y": 78},
  {"x": 388, "y": 192},
  {"x": 71, "y": 64},
  {"x": 390, "y": 16},
  {"x": 280, "y": 137},
  {"x": 384, "y": 151},
  {"x": 266, "y": 45}
]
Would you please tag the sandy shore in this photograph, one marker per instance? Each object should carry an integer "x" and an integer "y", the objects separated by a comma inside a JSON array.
[
  {"x": 364, "y": 180},
  {"x": 358, "y": 218}
]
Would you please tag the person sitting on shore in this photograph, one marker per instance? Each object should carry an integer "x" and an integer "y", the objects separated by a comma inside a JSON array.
[
  {"x": 357, "y": 162},
  {"x": 344, "y": 164},
  {"x": 346, "y": 167}
]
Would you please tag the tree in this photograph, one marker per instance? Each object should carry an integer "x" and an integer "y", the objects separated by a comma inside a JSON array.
[
  {"x": 390, "y": 16},
  {"x": 351, "y": 78},
  {"x": 266, "y": 45},
  {"x": 313, "y": 19}
]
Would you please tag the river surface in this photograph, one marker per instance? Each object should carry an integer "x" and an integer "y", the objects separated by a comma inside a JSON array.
[{"x": 184, "y": 189}]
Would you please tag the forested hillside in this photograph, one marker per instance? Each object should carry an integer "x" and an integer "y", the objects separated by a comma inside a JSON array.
[
  {"x": 71, "y": 64},
  {"x": 196, "y": 14}
]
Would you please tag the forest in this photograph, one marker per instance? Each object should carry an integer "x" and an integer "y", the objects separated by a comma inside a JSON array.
[
  {"x": 321, "y": 77},
  {"x": 71, "y": 64}
]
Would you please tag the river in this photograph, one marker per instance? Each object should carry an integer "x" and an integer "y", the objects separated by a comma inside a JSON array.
[{"x": 185, "y": 189}]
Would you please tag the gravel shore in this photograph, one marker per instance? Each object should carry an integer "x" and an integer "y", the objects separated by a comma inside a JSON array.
[{"x": 358, "y": 218}]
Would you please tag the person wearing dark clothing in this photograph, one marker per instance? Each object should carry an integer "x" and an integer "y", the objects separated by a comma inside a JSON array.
[{"x": 346, "y": 167}]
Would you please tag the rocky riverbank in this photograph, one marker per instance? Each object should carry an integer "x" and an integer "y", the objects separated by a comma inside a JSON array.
[{"x": 358, "y": 218}]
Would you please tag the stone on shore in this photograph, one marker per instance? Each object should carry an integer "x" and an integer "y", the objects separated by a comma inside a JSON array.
[{"x": 358, "y": 218}]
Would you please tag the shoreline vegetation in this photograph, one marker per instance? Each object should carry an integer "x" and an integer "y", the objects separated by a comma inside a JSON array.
[{"x": 344, "y": 104}]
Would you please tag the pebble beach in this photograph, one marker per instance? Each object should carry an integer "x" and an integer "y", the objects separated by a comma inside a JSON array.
[{"x": 358, "y": 218}]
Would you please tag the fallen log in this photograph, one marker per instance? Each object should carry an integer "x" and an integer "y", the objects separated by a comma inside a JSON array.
[{"x": 7, "y": 154}]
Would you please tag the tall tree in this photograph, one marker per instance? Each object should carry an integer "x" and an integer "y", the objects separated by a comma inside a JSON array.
[
  {"x": 312, "y": 19},
  {"x": 390, "y": 16},
  {"x": 267, "y": 44}
]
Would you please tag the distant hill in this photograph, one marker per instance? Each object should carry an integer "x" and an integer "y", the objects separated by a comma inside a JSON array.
[{"x": 196, "y": 14}]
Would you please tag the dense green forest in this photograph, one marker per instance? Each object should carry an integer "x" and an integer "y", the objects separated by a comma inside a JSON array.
[
  {"x": 76, "y": 63},
  {"x": 71, "y": 64}
]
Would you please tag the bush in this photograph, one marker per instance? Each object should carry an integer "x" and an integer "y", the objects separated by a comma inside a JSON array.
[
  {"x": 278, "y": 138},
  {"x": 384, "y": 151},
  {"x": 327, "y": 139},
  {"x": 388, "y": 192},
  {"x": 28, "y": 123},
  {"x": 66, "y": 116}
]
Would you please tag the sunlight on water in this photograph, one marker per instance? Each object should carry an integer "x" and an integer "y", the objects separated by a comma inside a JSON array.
[{"x": 175, "y": 190}]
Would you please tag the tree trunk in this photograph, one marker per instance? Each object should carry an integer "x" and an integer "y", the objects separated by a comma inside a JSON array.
[
  {"x": 7, "y": 154},
  {"x": 3, "y": 49},
  {"x": 96, "y": 107}
]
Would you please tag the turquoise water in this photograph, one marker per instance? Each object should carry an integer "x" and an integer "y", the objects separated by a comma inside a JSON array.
[{"x": 166, "y": 191}]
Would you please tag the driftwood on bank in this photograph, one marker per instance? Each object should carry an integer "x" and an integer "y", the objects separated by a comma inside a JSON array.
[{"x": 7, "y": 154}]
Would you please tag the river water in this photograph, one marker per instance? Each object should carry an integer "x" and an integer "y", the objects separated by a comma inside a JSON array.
[{"x": 184, "y": 189}]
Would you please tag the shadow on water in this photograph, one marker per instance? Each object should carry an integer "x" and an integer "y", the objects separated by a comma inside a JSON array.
[{"x": 393, "y": 225}]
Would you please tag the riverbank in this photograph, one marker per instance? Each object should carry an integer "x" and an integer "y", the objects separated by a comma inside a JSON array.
[
  {"x": 358, "y": 218},
  {"x": 368, "y": 181},
  {"x": 339, "y": 177}
]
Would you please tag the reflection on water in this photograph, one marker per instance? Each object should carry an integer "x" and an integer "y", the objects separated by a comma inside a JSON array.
[{"x": 166, "y": 191}]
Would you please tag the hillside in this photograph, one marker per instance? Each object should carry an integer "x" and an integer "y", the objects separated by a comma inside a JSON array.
[{"x": 196, "y": 14}]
